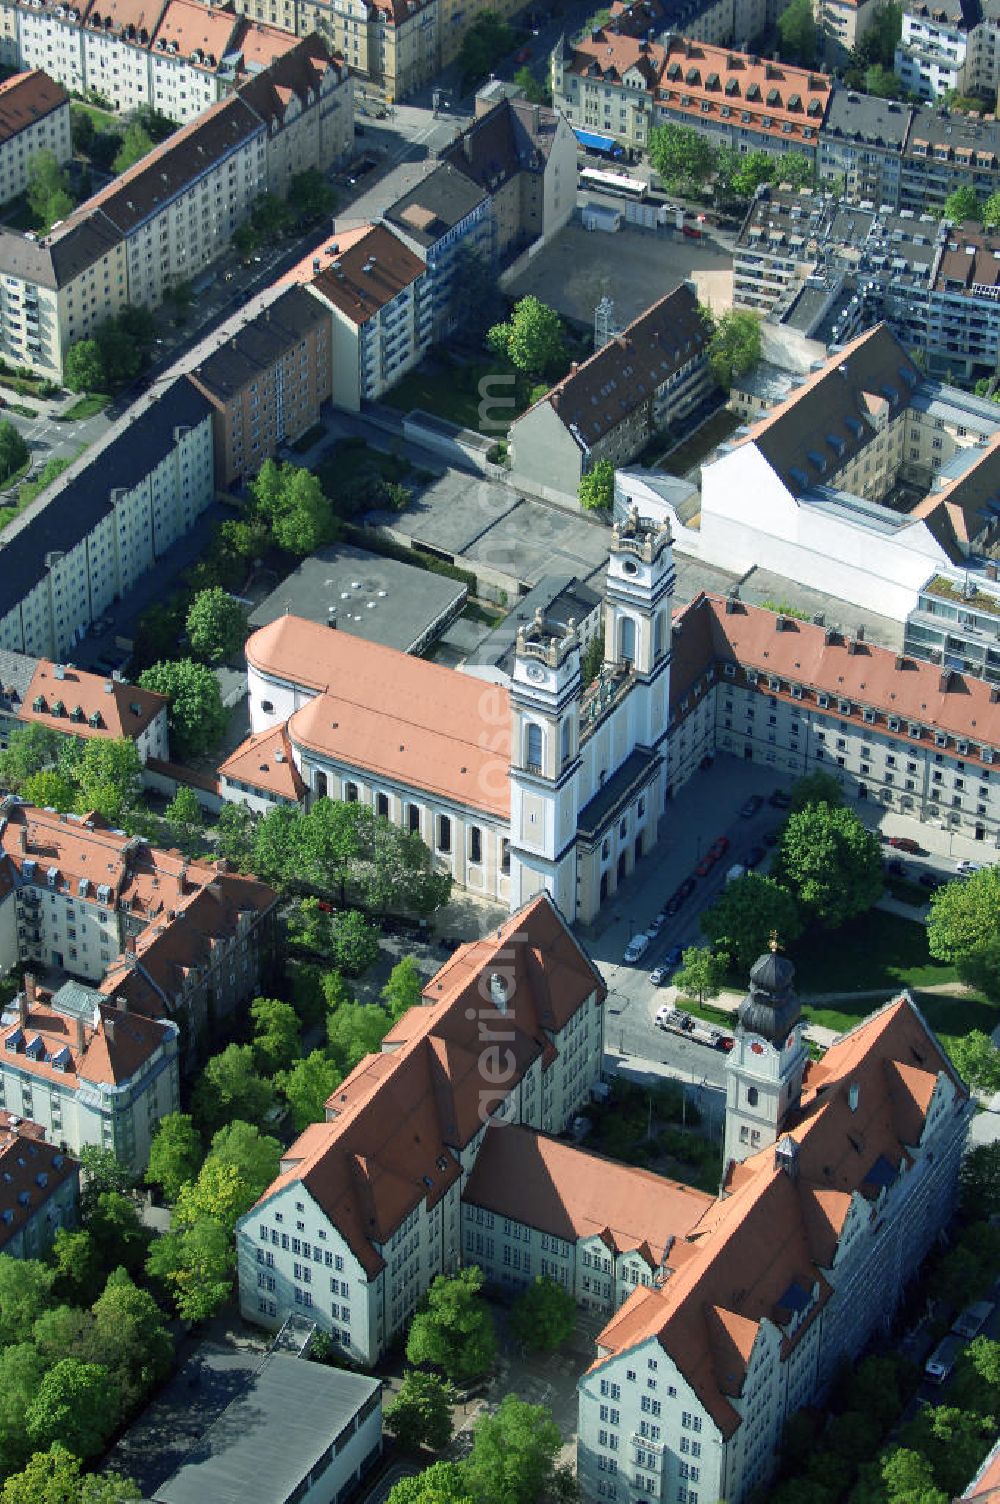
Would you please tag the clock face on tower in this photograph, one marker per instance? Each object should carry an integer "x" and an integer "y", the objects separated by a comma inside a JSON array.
[{"x": 534, "y": 672}]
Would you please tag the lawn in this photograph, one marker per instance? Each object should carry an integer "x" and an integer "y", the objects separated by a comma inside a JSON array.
[
  {"x": 9, "y": 510},
  {"x": 438, "y": 392},
  {"x": 347, "y": 463},
  {"x": 103, "y": 120},
  {"x": 875, "y": 950},
  {"x": 86, "y": 407}
]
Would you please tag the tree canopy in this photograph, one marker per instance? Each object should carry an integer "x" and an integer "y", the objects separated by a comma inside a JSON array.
[
  {"x": 977, "y": 1059},
  {"x": 56, "y": 1477},
  {"x": 175, "y": 1154},
  {"x": 216, "y": 625},
  {"x": 965, "y": 915},
  {"x": 291, "y": 500},
  {"x": 543, "y": 1315},
  {"x": 76, "y": 1404},
  {"x": 136, "y": 144},
  {"x": 702, "y": 972},
  {"x": 230, "y": 1087},
  {"x": 454, "y": 1329},
  {"x": 684, "y": 158},
  {"x": 276, "y": 1040},
  {"x": 307, "y": 1086},
  {"x": 831, "y": 863},
  {"x": 532, "y": 339},
  {"x": 420, "y": 1414},
  {"x": 735, "y": 346},
  {"x": 797, "y": 33},
  {"x": 747, "y": 910},
  {"x": 513, "y": 1454},
  {"x": 596, "y": 492},
  {"x": 13, "y": 450},
  {"x": 404, "y": 987},
  {"x": 962, "y": 204},
  {"x": 196, "y": 715},
  {"x": 48, "y": 192}
]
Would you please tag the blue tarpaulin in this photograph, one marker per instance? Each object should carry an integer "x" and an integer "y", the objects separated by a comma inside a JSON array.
[{"x": 594, "y": 142}]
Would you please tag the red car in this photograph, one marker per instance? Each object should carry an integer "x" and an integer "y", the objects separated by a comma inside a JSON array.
[
  {"x": 706, "y": 864},
  {"x": 719, "y": 848},
  {"x": 905, "y": 843}
]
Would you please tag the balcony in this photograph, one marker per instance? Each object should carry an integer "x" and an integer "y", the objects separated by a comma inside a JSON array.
[{"x": 599, "y": 699}]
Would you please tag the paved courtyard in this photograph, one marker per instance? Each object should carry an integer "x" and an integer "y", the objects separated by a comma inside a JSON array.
[{"x": 635, "y": 267}]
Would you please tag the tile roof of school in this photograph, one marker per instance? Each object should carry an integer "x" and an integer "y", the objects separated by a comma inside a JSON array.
[
  {"x": 27, "y": 98},
  {"x": 200, "y": 34},
  {"x": 399, "y": 1121},
  {"x": 390, "y": 713},
  {"x": 561, "y": 1190},
  {"x": 513, "y": 137},
  {"x": 760, "y": 1251}
]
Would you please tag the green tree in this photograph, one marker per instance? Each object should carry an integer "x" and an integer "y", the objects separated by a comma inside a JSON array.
[
  {"x": 25, "y": 1285},
  {"x": 420, "y": 1414},
  {"x": 103, "y": 1171},
  {"x": 977, "y": 1060},
  {"x": 74, "y": 1257},
  {"x": 13, "y": 450},
  {"x": 702, "y": 972},
  {"x": 291, "y": 501},
  {"x": 245, "y": 539},
  {"x": 745, "y": 913},
  {"x": 220, "y": 1193},
  {"x": 130, "y": 1339},
  {"x": 108, "y": 774},
  {"x": 991, "y": 212},
  {"x": 29, "y": 750},
  {"x": 755, "y": 169},
  {"x": 354, "y": 943},
  {"x": 81, "y": 129},
  {"x": 592, "y": 658},
  {"x": 307, "y": 1086},
  {"x": 683, "y": 157},
  {"x": 534, "y": 92},
  {"x": 981, "y": 969},
  {"x": 50, "y": 789},
  {"x": 884, "y": 83},
  {"x": 175, "y": 1155},
  {"x": 355, "y": 1030},
  {"x": 117, "y": 1230},
  {"x": 404, "y": 989},
  {"x": 796, "y": 169},
  {"x": 276, "y": 1040},
  {"x": 964, "y": 916},
  {"x": 513, "y": 1454},
  {"x": 817, "y": 788},
  {"x": 76, "y": 1404},
  {"x": 55, "y": 1477},
  {"x": 229, "y": 1087},
  {"x": 488, "y": 39},
  {"x": 216, "y": 625},
  {"x": 310, "y": 196},
  {"x": 979, "y": 1178},
  {"x": 532, "y": 339},
  {"x": 196, "y": 1268},
  {"x": 953, "y": 1441},
  {"x": 873, "y": 1388},
  {"x": 442, "y": 1483},
  {"x": 961, "y": 205},
  {"x": 196, "y": 715},
  {"x": 254, "y": 1155},
  {"x": 909, "y": 1479},
  {"x": 48, "y": 191},
  {"x": 596, "y": 491},
  {"x": 63, "y": 1332},
  {"x": 797, "y": 33},
  {"x": 735, "y": 346},
  {"x": 831, "y": 863},
  {"x": 984, "y": 1355},
  {"x": 136, "y": 144},
  {"x": 21, "y": 1370},
  {"x": 454, "y": 1329},
  {"x": 235, "y": 832},
  {"x": 543, "y": 1315},
  {"x": 84, "y": 369},
  {"x": 186, "y": 819}
]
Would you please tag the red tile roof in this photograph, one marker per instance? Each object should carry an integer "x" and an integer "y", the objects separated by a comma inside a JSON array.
[
  {"x": 107, "y": 1050},
  {"x": 772, "y": 95},
  {"x": 552, "y": 1186},
  {"x": 359, "y": 271},
  {"x": 31, "y": 1171},
  {"x": 265, "y": 762},
  {"x": 394, "y": 715},
  {"x": 92, "y": 705},
  {"x": 985, "y": 1486},
  {"x": 27, "y": 98},
  {"x": 399, "y": 1120},
  {"x": 772, "y": 1230},
  {"x": 201, "y": 34}
]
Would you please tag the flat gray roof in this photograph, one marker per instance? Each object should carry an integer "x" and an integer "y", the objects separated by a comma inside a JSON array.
[
  {"x": 270, "y": 1436},
  {"x": 399, "y": 605}
]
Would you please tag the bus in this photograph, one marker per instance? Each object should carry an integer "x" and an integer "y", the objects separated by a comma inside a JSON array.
[{"x": 618, "y": 183}]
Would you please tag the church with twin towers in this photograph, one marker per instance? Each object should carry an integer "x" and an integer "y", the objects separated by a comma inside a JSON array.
[{"x": 519, "y": 782}]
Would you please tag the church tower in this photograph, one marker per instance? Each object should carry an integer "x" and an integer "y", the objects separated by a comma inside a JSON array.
[
  {"x": 640, "y": 588},
  {"x": 764, "y": 1069},
  {"x": 544, "y": 761}
]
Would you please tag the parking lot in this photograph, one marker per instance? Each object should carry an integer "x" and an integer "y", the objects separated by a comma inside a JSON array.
[{"x": 635, "y": 267}]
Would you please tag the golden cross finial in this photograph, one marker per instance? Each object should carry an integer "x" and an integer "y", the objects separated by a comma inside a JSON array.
[{"x": 774, "y": 944}]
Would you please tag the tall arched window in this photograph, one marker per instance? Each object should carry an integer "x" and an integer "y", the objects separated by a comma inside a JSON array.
[
  {"x": 626, "y": 640},
  {"x": 350, "y": 793},
  {"x": 444, "y": 833},
  {"x": 567, "y": 741},
  {"x": 382, "y": 805},
  {"x": 533, "y": 747},
  {"x": 413, "y": 818},
  {"x": 658, "y": 641},
  {"x": 320, "y": 785}
]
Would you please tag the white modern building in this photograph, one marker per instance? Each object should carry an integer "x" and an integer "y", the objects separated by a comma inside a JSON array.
[
  {"x": 87, "y": 1072},
  {"x": 367, "y": 1209},
  {"x": 545, "y": 786},
  {"x": 840, "y": 1176}
]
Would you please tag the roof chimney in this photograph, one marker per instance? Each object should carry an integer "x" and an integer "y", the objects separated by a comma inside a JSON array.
[
  {"x": 130, "y": 944},
  {"x": 109, "y": 1030},
  {"x": 861, "y": 632},
  {"x": 79, "y": 1036},
  {"x": 853, "y": 1094},
  {"x": 498, "y": 992},
  {"x": 779, "y": 623},
  {"x": 30, "y": 989},
  {"x": 852, "y": 646},
  {"x": 944, "y": 683}
]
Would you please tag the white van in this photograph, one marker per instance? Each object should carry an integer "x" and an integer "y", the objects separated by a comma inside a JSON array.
[
  {"x": 636, "y": 948},
  {"x": 943, "y": 1359},
  {"x": 970, "y": 1322}
]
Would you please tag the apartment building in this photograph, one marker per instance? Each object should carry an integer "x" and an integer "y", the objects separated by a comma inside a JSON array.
[
  {"x": 806, "y": 1254},
  {"x": 545, "y": 786},
  {"x": 932, "y": 51},
  {"x": 367, "y": 1209},
  {"x": 962, "y": 314},
  {"x": 88, "y": 1072},
  {"x": 92, "y": 535},
  {"x": 535, "y": 1205},
  {"x": 444, "y": 218},
  {"x": 842, "y": 24},
  {"x": 861, "y": 146},
  {"x": 153, "y": 933},
  {"x": 266, "y": 376},
  {"x": 524, "y": 156},
  {"x": 70, "y": 700},
  {"x": 944, "y": 151},
  {"x": 305, "y": 97},
  {"x": 956, "y": 622},
  {"x": 647, "y": 379},
  {"x": 379, "y": 300},
  {"x": 622, "y": 86},
  {"x": 34, "y": 117},
  {"x": 903, "y": 733},
  {"x": 39, "y": 1189}
]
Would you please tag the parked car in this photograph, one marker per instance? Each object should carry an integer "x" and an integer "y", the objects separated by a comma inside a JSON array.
[
  {"x": 751, "y": 806},
  {"x": 966, "y": 869},
  {"x": 659, "y": 975},
  {"x": 706, "y": 864},
  {"x": 780, "y": 799},
  {"x": 637, "y": 946},
  {"x": 719, "y": 847},
  {"x": 673, "y": 904},
  {"x": 686, "y": 888},
  {"x": 754, "y": 857},
  {"x": 657, "y": 922},
  {"x": 673, "y": 957},
  {"x": 523, "y": 55},
  {"x": 725, "y": 1043},
  {"x": 906, "y": 843},
  {"x": 970, "y": 1322}
]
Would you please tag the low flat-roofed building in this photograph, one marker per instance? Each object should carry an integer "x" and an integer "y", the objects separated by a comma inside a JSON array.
[
  {"x": 563, "y": 599},
  {"x": 383, "y": 600},
  {"x": 34, "y": 117},
  {"x": 39, "y": 1188},
  {"x": 323, "y": 1434}
]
